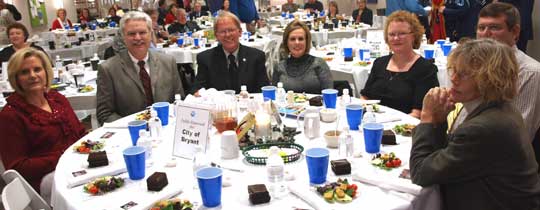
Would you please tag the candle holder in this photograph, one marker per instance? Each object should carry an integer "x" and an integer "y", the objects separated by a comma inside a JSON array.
[{"x": 263, "y": 128}]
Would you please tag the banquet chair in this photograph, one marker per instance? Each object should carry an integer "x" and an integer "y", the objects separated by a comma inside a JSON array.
[
  {"x": 19, "y": 195},
  {"x": 345, "y": 76},
  {"x": 86, "y": 103}
]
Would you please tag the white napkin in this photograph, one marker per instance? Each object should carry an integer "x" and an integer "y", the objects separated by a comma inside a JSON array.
[
  {"x": 94, "y": 173},
  {"x": 400, "y": 184},
  {"x": 120, "y": 123},
  {"x": 387, "y": 118},
  {"x": 308, "y": 196}
]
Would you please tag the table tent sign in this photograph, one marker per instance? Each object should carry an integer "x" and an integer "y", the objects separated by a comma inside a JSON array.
[{"x": 192, "y": 127}]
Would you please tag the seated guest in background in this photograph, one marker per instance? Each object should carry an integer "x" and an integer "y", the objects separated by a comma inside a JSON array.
[
  {"x": 112, "y": 16},
  {"x": 61, "y": 21},
  {"x": 134, "y": 79},
  {"x": 171, "y": 16},
  {"x": 117, "y": 46},
  {"x": 197, "y": 11},
  {"x": 37, "y": 124},
  {"x": 313, "y": 5},
  {"x": 486, "y": 161},
  {"x": 17, "y": 34},
  {"x": 226, "y": 5},
  {"x": 290, "y": 6},
  {"x": 301, "y": 72},
  {"x": 362, "y": 14},
  {"x": 162, "y": 9},
  {"x": 501, "y": 21},
  {"x": 230, "y": 64},
  {"x": 400, "y": 80},
  {"x": 160, "y": 33},
  {"x": 85, "y": 16},
  {"x": 12, "y": 10},
  {"x": 182, "y": 25},
  {"x": 333, "y": 9}
]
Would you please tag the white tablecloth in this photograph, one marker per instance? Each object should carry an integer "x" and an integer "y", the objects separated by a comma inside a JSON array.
[
  {"x": 85, "y": 50},
  {"x": 236, "y": 195},
  {"x": 102, "y": 32}
]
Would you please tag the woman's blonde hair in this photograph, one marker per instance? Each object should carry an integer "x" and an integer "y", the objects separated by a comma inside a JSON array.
[
  {"x": 403, "y": 16},
  {"x": 492, "y": 65},
  {"x": 59, "y": 10},
  {"x": 18, "y": 59},
  {"x": 296, "y": 24}
]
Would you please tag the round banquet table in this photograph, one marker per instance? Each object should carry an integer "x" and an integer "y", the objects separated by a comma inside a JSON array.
[
  {"x": 68, "y": 190},
  {"x": 320, "y": 38}
]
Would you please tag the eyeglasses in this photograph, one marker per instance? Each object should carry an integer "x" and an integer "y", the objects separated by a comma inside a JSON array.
[
  {"x": 398, "y": 34},
  {"x": 226, "y": 31},
  {"x": 459, "y": 75}
]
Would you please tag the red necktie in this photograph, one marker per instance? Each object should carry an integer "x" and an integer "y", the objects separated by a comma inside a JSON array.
[{"x": 147, "y": 84}]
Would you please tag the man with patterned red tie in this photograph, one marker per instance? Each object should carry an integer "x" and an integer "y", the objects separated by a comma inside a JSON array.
[{"x": 135, "y": 78}]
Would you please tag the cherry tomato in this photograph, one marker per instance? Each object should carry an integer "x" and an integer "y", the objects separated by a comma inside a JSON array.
[
  {"x": 389, "y": 164},
  {"x": 353, "y": 186},
  {"x": 93, "y": 190},
  {"x": 396, "y": 162}
]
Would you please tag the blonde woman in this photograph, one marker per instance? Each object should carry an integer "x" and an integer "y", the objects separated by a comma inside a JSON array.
[
  {"x": 38, "y": 124},
  {"x": 487, "y": 161},
  {"x": 61, "y": 21}
]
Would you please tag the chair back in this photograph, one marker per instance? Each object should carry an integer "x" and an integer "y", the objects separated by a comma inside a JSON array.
[
  {"x": 14, "y": 196},
  {"x": 85, "y": 102},
  {"x": 36, "y": 201}
]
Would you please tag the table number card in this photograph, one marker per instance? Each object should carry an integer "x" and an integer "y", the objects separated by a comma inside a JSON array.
[{"x": 192, "y": 126}]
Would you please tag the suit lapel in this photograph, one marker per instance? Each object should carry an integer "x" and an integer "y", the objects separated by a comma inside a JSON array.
[
  {"x": 155, "y": 72},
  {"x": 130, "y": 70},
  {"x": 480, "y": 109},
  {"x": 242, "y": 64}
]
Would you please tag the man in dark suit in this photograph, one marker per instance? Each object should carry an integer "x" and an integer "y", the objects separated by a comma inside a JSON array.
[
  {"x": 230, "y": 64},
  {"x": 135, "y": 78},
  {"x": 197, "y": 11},
  {"x": 362, "y": 14},
  {"x": 181, "y": 25}
]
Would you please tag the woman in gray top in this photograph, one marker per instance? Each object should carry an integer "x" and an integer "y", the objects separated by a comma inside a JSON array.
[{"x": 301, "y": 72}]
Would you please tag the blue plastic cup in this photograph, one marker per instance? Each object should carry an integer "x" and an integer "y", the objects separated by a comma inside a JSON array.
[
  {"x": 162, "y": 109},
  {"x": 347, "y": 52},
  {"x": 283, "y": 14},
  {"x": 189, "y": 33},
  {"x": 372, "y": 137},
  {"x": 209, "y": 180},
  {"x": 317, "y": 162},
  {"x": 429, "y": 53},
  {"x": 330, "y": 98},
  {"x": 76, "y": 27},
  {"x": 361, "y": 54},
  {"x": 440, "y": 42},
  {"x": 308, "y": 15},
  {"x": 269, "y": 92},
  {"x": 135, "y": 162},
  {"x": 291, "y": 16},
  {"x": 354, "y": 115},
  {"x": 134, "y": 127},
  {"x": 92, "y": 26},
  {"x": 180, "y": 42},
  {"x": 66, "y": 27},
  {"x": 112, "y": 24},
  {"x": 196, "y": 42},
  {"x": 446, "y": 48}
]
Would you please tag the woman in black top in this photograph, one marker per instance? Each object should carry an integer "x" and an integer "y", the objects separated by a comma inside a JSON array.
[
  {"x": 400, "y": 80},
  {"x": 17, "y": 34},
  {"x": 362, "y": 14}
]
